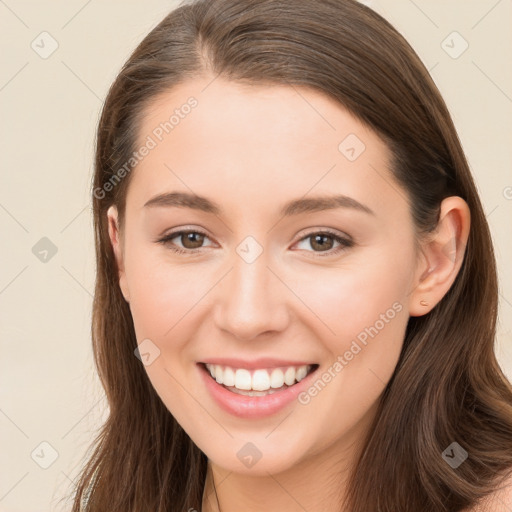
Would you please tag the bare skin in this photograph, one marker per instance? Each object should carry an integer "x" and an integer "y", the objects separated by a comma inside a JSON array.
[
  {"x": 251, "y": 150},
  {"x": 498, "y": 501}
]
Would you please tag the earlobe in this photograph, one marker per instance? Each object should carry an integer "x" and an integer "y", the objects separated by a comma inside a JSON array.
[
  {"x": 115, "y": 240},
  {"x": 443, "y": 254}
]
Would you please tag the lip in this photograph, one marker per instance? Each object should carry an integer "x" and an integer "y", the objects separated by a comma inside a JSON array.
[
  {"x": 262, "y": 362},
  {"x": 251, "y": 407}
]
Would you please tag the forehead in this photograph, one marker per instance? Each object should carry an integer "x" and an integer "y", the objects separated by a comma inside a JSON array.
[{"x": 251, "y": 142}]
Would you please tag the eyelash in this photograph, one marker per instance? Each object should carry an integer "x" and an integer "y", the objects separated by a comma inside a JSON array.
[{"x": 345, "y": 243}]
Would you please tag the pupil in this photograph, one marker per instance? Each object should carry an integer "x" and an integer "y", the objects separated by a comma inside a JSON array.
[
  {"x": 318, "y": 240},
  {"x": 191, "y": 236}
]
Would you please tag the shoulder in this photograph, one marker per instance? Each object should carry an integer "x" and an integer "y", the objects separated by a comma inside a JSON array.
[{"x": 498, "y": 501}]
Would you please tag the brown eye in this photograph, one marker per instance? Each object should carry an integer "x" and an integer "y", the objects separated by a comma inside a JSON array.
[
  {"x": 322, "y": 242},
  {"x": 189, "y": 242},
  {"x": 191, "y": 239}
]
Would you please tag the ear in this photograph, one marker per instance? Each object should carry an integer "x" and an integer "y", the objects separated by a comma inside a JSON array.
[
  {"x": 115, "y": 239},
  {"x": 441, "y": 256}
]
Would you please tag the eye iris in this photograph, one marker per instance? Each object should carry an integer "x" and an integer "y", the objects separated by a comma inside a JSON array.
[
  {"x": 322, "y": 246},
  {"x": 189, "y": 237}
]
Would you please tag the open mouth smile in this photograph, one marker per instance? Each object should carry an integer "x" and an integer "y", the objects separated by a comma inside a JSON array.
[{"x": 255, "y": 392}]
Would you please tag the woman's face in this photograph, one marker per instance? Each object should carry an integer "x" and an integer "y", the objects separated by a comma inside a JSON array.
[{"x": 269, "y": 279}]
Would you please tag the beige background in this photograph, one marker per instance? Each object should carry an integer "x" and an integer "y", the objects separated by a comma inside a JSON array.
[{"x": 49, "y": 110}]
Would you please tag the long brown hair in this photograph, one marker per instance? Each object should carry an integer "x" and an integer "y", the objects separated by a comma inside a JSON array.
[{"x": 447, "y": 386}]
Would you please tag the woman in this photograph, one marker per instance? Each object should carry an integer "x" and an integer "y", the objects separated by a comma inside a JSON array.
[{"x": 296, "y": 290}]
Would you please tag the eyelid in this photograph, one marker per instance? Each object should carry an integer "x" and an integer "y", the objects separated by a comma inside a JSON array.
[
  {"x": 303, "y": 234},
  {"x": 182, "y": 229},
  {"x": 165, "y": 238},
  {"x": 343, "y": 239},
  {"x": 320, "y": 230}
]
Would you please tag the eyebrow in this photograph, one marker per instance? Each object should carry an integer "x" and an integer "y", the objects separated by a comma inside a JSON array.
[{"x": 293, "y": 207}]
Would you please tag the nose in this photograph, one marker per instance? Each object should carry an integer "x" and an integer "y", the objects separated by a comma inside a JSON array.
[{"x": 251, "y": 301}]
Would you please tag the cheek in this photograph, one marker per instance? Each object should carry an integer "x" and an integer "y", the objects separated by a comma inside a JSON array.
[
  {"x": 361, "y": 317},
  {"x": 165, "y": 304},
  {"x": 364, "y": 318},
  {"x": 162, "y": 295},
  {"x": 356, "y": 295},
  {"x": 347, "y": 300}
]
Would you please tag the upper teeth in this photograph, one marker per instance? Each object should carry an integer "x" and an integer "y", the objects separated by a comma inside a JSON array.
[{"x": 259, "y": 380}]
